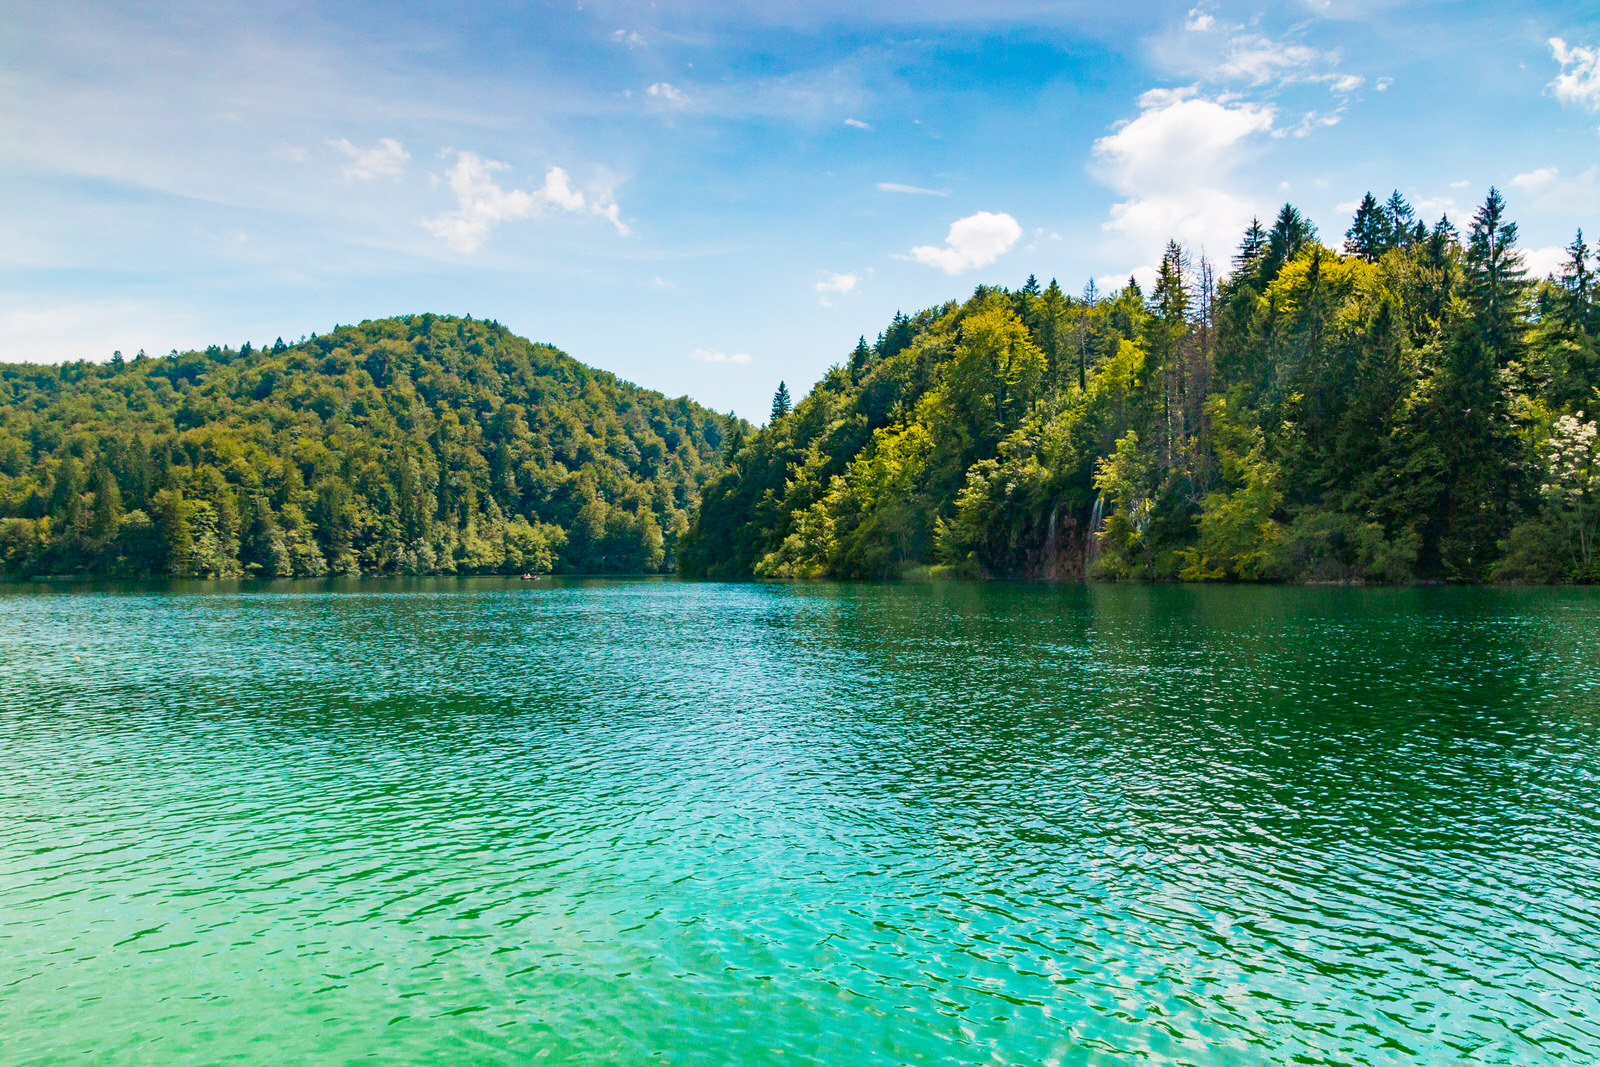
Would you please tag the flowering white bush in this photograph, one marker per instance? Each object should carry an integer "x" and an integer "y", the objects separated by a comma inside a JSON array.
[{"x": 1572, "y": 479}]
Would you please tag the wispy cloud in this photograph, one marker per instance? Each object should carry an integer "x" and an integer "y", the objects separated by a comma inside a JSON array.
[
  {"x": 1579, "y": 80},
  {"x": 1565, "y": 196},
  {"x": 915, "y": 190},
  {"x": 386, "y": 159},
  {"x": 483, "y": 204},
  {"x": 1259, "y": 60},
  {"x": 858, "y": 124},
  {"x": 975, "y": 241},
  {"x": 712, "y": 355},
  {"x": 629, "y": 38},
  {"x": 833, "y": 286}
]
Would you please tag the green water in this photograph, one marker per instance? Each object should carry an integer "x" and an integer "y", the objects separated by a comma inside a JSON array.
[{"x": 631, "y": 822}]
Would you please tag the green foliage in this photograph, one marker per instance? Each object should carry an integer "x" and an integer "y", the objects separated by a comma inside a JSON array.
[
  {"x": 1378, "y": 416},
  {"x": 416, "y": 445}
]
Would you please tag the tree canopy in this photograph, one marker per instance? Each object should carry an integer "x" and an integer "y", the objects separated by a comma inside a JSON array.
[
  {"x": 1409, "y": 407},
  {"x": 420, "y": 445}
]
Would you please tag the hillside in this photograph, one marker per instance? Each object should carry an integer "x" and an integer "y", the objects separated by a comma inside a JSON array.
[
  {"x": 416, "y": 445},
  {"x": 1409, "y": 407}
]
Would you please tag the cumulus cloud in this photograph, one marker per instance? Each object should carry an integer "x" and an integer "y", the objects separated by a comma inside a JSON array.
[
  {"x": 667, "y": 94},
  {"x": 1346, "y": 83},
  {"x": 1199, "y": 21},
  {"x": 386, "y": 159},
  {"x": 712, "y": 355},
  {"x": 975, "y": 241},
  {"x": 483, "y": 204},
  {"x": 1579, "y": 80},
  {"x": 1173, "y": 165},
  {"x": 915, "y": 190},
  {"x": 833, "y": 286},
  {"x": 1543, "y": 262},
  {"x": 1566, "y": 196},
  {"x": 858, "y": 124}
]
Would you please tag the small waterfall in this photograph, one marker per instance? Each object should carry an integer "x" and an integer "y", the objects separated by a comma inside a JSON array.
[
  {"x": 1096, "y": 517},
  {"x": 1052, "y": 545}
]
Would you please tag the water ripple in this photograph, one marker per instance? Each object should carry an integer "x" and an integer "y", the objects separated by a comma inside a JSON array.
[{"x": 617, "y": 822}]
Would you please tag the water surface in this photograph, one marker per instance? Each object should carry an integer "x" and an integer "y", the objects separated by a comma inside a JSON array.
[{"x": 629, "y": 822}]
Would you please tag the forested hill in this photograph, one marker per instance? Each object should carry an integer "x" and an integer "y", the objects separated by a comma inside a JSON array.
[
  {"x": 416, "y": 445},
  {"x": 1408, "y": 406}
]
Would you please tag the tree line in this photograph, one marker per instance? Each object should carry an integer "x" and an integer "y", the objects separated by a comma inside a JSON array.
[
  {"x": 1408, "y": 406},
  {"x": 415, "y": 445}
]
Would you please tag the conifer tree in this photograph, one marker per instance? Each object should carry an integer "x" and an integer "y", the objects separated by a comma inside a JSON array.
[
  {"x": 1371, "y": 231},
  {"x": 1402, "y": 221},
  {"x": 780, "y": 402},
  {"x": 1251, "y": 249},
  {"x": 860, "y": 358}
]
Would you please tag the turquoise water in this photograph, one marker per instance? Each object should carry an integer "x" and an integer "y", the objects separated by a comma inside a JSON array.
[{"x": 631, "y": 822}]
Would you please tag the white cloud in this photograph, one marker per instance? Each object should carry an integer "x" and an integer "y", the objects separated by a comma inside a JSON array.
[
  {"x": 712, "y": 355},
  {"x": 858, "y": 124},
  {"x": 1550, "y": 192},
  {"x": 1346, "y": 83},
  {"x": 1382, "y": 84},
  {"x": 1199, "y": 21},
  {"x": 1542, "y": 262},
  {"x": 1579, "y": 80},
  {"x": 386, "y": 159},
  {"x": 1311, "y": 121},
  {"x": 482, "y": 204},
  {"x": 629, "y": 38},
  {"x": 915, "y": 190},
  {"x": 1462, "y": 184},
  {"x": 667, "y": 94},
  {"x": 975, "y": 241},
  {"x": 834, "y": 285},
  {"x": 1259, "y": 60},
  {"x": 1173, "y": 165}
]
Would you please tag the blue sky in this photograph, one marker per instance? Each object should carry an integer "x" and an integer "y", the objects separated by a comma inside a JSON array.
[{"x": 709, "y": 198}]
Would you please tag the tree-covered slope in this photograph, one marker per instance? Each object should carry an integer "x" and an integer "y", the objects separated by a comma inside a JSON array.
[
  {"x": 1409, "y": 407},
  {"x": 418, "y": 445}
]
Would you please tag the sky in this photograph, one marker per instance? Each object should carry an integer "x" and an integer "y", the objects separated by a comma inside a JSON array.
[{"x": 710, "y": 198}]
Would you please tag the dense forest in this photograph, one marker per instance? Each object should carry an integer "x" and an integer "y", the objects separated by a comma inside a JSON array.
[
  {"x": 1410, "y": 406},
  {"x": 415, "y": 445}
]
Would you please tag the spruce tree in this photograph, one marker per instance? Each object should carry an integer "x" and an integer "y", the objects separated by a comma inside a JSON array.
[
  {"x": 1371, "y": 231},
  {"x": 780, "y": 402},
  {"x": 1251, "y": 249},
  {"x": 860, "y": 358},
  {"x": 1291, "y": 232},
  {"x": 1402, "y": 221}
]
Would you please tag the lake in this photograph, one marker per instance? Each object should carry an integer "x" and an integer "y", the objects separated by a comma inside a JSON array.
[{"x": 619, "y": 822}]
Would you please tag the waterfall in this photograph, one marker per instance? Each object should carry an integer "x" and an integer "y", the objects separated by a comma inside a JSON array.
[
  {"x": 1092, "y": 549},
  {"x": 1052, "y": 548}
]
